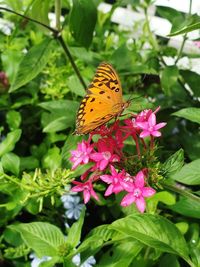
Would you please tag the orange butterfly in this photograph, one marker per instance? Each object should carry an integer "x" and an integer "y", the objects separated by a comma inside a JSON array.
[{"x": 102, "y": 102}]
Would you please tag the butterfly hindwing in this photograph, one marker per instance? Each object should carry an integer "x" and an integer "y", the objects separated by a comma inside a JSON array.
[{"x": 102, "y": 102}]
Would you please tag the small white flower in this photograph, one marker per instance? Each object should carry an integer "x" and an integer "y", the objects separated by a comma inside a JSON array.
[
  {"x": 72, "y": 205},
  {"x": 36, "y": 261},
  {"x": 88, "y": 263}
]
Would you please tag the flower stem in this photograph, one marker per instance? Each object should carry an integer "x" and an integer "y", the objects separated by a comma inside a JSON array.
[
  {"x": 152, "y": 143},
  {"x": 137, "y": 145},
  {"x": 175, "y": 187}
]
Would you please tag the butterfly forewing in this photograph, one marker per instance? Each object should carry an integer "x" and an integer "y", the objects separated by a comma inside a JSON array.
[{"x": 102, "y": 102}]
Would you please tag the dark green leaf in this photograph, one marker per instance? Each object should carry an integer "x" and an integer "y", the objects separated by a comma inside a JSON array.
[
  {"x": 28, "y": 163},
  {"x": 43, "y": 238},
  {"x": 174, "y": 163},
  {"x": 121, "y": 254},
  {"x": 189, "y": 173},
  {"x": 154, "y": 231},
  {"x": 11, "y": 163},
  {"x": 193, "y": 80},
  {"x": 187, "y": 207},
  {"x": 82, "y": 21},
  {"x": 32, "y": 63},
  {"x": 169, "y": 260},
  {"x": 192, "y": 114},
  {"x": 9, "y": 142}
]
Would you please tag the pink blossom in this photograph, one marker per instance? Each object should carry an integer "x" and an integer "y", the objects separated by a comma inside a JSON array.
[
  {"x": 87, "y": 189},
  {"x": 81, "y": 154},
  {"x": 197, "y": 43},
  {"x": 117, "y": 181},
  {"x": 137, "y": 192},
  {"x": 150, "y": 127},
  {"x": 105, "y": 154}
]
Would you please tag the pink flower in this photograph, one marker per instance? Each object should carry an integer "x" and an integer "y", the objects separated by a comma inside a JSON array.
[
  {"x": 105, "y": 155},
  {"x": 137, "y": 192},
  {"x": 117, "y": 181},
  {"x": 197, "y": 43},
  {"x": 150, "y": 127},
  {"x": 87, "y": 189},
  {"x": 81, "y": 154}
]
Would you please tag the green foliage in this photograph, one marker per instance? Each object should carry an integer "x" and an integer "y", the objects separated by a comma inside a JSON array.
[{"x": 38, "y": 108}]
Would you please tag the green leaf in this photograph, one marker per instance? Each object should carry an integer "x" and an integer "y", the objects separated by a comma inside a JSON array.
[
  {"x": 192, "y": 114},
  {"x": 9, "y": 142},
  {"x": 168, "y": 78},
  {"x": 121, "y": 254},
  {"x": 62, "y": 115},
  {"x": 193, "y": 80},
  {"x": 154, "y": 231},
  {"x": 169, "y": 260},
  {"x": 29, "y": 163},
  {"x": 187, "y": 207},
  {"x": 32, "y": 63},
  {"x": 75, "y": 86},
  {"x": 11, "y": 163},
  {"x": 174, "y": 163},
  {"x": 190, "y": 24},
  {"x": 52, "y": 159},
  {"x": 74, "y": 233},
  {"x": 44, "y": 238},
  {"x": 189, "y": 173},
  {"x": 13, "y": 119},
  {"x": 82, "y": 21}
]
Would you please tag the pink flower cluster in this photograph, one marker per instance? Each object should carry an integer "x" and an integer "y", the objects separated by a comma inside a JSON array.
[{"x": 107, "y": 156}]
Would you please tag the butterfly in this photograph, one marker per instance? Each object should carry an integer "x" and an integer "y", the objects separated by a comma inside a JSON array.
[{"x": 103, "y": 100}]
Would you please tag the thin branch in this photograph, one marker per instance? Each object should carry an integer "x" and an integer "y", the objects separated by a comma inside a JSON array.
[
  {"x": 184, "y": 38},
  {"x": 58, "y": 14}
]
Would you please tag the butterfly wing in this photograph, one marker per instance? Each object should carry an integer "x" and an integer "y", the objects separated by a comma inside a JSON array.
[{"x": 102, "y": 102}]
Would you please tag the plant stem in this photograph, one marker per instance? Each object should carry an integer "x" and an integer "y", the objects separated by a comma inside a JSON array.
[
  {"x": 58, "y": 36},
  {"x": 184, "y": 38},
  {"x": 152, "y": 39},
  {"x": 66, "y": 49},
  {"x": 58, "y": 14},
  {"x": 175, "y": 188}
]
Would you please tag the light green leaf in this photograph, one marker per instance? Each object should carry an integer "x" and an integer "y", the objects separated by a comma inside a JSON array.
[
  {"x": 154, "y": 231},
  {"x": 192, "y": 114},
  {"x": 185, "y": 29},
  {"x": 58, "y": 124},
  {"x": 82, "y": 21},
  {"x": 174, "y": 163},
  {"x": 74, "y": 233},
  {"x": 9, "y": 142},
  {"x": 13, "y": 119},
  {"x": 168, "y": 78},
  {"x": 52, "y": 159},
  {"x": 29, "y": 163},
  {"x": 44, "y": 238},
  {"x": 189, "y": 173},
  {"x": 11, "y": 163},
  {"x": 32, "y": 63}
]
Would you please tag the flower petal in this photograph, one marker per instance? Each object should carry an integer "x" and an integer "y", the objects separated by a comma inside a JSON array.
[
  {"x": 96, "y": 156},
  {"x": 141, "y": 204},
  {"x": 160, "y": 125},
  {"x": 106, "y": 178},
  {"x": 127, "y": 200},
  {"x": 143, "y": 125},
  {"x": 86, "y": 196},
  {"x": 145, "y": 134},
  {"x": 139, "y": 179},
  {"x": 148, "y": 191},
  {"x": 109, "y": 190},
  {"x": 103, "y": 164},
  {"x": 152, "y": 120},
  {"x": 156, "y": 133}
]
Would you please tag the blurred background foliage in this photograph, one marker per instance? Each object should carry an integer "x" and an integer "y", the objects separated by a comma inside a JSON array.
[{"x": 45, "y": 67}]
